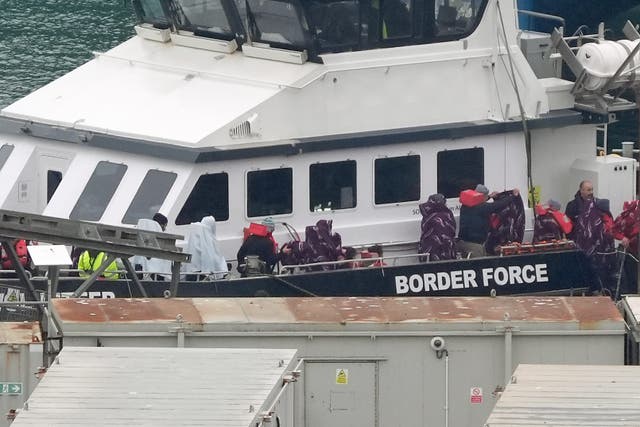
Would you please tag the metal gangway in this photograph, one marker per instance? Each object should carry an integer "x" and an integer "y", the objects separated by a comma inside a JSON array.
[{"x": 116, "y": 242}]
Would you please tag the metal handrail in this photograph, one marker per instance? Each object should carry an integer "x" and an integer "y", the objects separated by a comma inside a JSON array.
[{"x": 347, "y": 261}]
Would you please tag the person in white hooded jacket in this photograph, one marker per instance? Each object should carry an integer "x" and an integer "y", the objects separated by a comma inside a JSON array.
[{"x": 206, "y": 256}]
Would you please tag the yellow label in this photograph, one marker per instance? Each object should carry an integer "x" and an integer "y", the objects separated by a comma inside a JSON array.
[
  {"x": 342, "y": 376},
  {"x": 536, "y": 196}
]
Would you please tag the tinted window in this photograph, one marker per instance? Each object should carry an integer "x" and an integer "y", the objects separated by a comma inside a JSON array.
[
  {"x": 98, "y": 192},
  {"x": 210, "y": 196},
  {"x": 332, "y": 186},
  {"x": 152, "y": 12},
  {"x": 397, "y": 179},
  {"x": 395, "y": 19},
  {"x": 459, "y": 170},
  {"x": 336, "y": 24},
  {"x": 278, "y": 23},
  {"x": 150, "y": 196},
  {"x": 269, "y": 192},
  {"x": 5, "y": 152},
  {"x": 203, "y": 17},
  {"x": 456, "y": 17},
  {"x": 53, "y": 181}
]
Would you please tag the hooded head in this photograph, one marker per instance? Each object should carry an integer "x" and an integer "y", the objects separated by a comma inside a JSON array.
[
  {"x": 268, "y": 222},
  {"x": 482, "y": 189},
  {"x": 210, "y": 223},
  {"x": 162, "y": 220},
  {"x": 437, "y": 199},
  {"x": 603, "y": 204},
  {"x": 553, "y": 204}
]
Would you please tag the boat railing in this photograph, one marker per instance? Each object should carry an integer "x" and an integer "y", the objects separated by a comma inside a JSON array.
[{"x": 383, "y": 261}]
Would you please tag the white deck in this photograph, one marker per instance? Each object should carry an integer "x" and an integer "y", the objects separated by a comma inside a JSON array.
[{"x": 156, "y": 387}]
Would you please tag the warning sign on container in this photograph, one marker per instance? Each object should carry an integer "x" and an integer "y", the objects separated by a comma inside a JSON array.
[
  {"x": 476, "y": 394},
  {"x": 342, "y": 376}
]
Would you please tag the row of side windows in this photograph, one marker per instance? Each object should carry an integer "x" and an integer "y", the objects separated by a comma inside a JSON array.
[{"x": 333, "y": 185}]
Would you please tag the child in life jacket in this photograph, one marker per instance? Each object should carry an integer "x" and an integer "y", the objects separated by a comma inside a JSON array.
[
  {"x": 550, "y": 223},
  {"x": 20, "y": 247}
]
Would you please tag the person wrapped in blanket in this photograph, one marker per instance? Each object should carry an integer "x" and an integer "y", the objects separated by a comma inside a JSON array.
[
  {"x": 626, "y": 228},
  {"x": 593, "y": 234},
  {"x": 438, "y": 228},
  {"x": 550, "y": 223}
]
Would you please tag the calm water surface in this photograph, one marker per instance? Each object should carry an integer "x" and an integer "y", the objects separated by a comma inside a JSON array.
[{"x": 41, "y": 40}]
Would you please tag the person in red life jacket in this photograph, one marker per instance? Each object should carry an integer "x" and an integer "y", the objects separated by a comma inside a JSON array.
[
  {"x": 20, "y": 247},
  {"x": 577, "y": 206},
  {"x": 626, "y": 228},
  {"x": 550, "y": 223},
  {"x": 259, "y": 242},
  {"x": 475, "y": 215}
]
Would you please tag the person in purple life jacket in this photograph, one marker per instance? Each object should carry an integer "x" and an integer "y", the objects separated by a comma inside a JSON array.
[
  {"x": 438, "y": 229},
  {"x": 593, "y": 236}
]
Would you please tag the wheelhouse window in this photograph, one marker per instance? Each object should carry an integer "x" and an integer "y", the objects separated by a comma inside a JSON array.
[
  {"x": 397, "y": 179},
  {"x": 54, "y": 178},
  {"x": 206, "y": 18},
  {"x": 269, "y": 192},
  {"x": 98, "y": 192},
  {"x": 456, "y": 17},
  {"x": 152, "y": 12},
  {"x": 150, "y": 196},
  {"x": 210, "y": 196},
  {"x": 336, "y": 24},
  {"x": 460, "y": 170},
  {"x": 394, "y": 19},
  {"x": 280, "y": 23},
  {"x": 5, "y": 152},
  {"x": 332, "y": 186}
]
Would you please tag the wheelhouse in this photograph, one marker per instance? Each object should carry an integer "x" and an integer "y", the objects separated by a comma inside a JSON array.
[{"x": 316, "y": 26}]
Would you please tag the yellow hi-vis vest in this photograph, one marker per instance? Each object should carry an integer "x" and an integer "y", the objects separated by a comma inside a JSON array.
[{"x": 88, "y": 265}]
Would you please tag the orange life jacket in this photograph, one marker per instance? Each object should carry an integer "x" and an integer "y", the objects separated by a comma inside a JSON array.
[{"x": 471, "y": 198}]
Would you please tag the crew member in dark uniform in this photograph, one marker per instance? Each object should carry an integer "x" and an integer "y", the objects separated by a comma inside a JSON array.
[
  {"x": 260, "y": 245},
  {"x": 474, "y": 221}
]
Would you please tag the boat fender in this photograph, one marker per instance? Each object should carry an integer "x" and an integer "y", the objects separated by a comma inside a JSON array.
[
  {"x": 563, "y": 221},
  {"x": 471, "y": 198}
]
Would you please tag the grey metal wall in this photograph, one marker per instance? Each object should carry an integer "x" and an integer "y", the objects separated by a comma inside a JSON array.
[{"x": 396, "y": 379}]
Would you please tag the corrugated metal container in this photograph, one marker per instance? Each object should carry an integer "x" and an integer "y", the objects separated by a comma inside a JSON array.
[
  {"x": 630, "y": 306},
  {"x": 370, "y": 361},
  {"x": 21, "y": 352},
  {"x": 562, "y": 395},
  {"x": 162, "y": 387}
]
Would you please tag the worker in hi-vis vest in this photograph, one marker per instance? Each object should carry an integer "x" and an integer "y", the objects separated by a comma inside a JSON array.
[{"x": 89, "y": 262}]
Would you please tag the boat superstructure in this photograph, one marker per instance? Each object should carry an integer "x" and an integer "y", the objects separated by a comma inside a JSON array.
[{"x": 353, "y": 110}]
